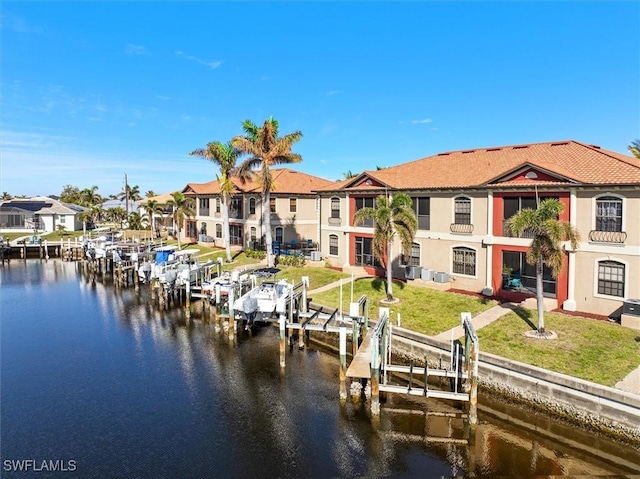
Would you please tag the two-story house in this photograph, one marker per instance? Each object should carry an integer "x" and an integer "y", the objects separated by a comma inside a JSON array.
[
  {"x": 462, "y": 200},
  {"x": 293, "y": 209}
]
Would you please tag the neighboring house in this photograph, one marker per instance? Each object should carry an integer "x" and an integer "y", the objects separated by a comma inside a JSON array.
[
  {"x": 41, "y": 213},
  {"x": 462, "y": 200},
  {"x": 117, "y": 203},
  {"x": 294, "y": 210},
  {"x": 162, "y": 220}
]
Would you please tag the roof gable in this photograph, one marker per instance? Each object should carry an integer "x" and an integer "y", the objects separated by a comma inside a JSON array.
[{"x": 529, "y": 174}]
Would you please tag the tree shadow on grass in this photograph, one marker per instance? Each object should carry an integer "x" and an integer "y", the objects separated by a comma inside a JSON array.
[
  {"x": 380, "y": 285},
  {"x": 526, "y": 315}
]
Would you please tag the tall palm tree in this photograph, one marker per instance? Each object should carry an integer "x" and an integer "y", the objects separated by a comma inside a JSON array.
[
  {"x": 634, "y": 148},
  {"x": 546, "y": 248},
  {"x": 183, "y": 207},
  {"x": 266, "y": 149},
  {"x": 150, "y": 194},
  {"x": 349, "y": 174},
  {"x": 6, "y": 196},
  {"x": 391, "y": 217},
  {"x": 224, "y": 156},
  {"x": 136, "y": 221},
  {"x": 117, "y": 214},
  {"x": 153, "y": 207}
]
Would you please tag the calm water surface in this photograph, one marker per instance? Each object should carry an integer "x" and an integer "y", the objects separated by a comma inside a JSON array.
[{"x": 105, "y": 379}]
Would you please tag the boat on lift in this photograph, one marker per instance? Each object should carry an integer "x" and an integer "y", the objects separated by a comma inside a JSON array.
[{"x": 266, "y": 300}]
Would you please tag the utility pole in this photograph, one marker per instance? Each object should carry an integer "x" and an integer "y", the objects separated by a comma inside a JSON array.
[{"x": 126, "y": 194}]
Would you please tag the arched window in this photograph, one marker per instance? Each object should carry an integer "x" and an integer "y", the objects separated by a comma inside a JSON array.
[
  {"x": 203, "y": 228},
  {"x": 333, "y": 245},
  {"x": 611, "y": 275},
  {"x": 279, "y": 234},
  {"x": 335, "y": 207},
  {"x": 609, "y": 213},
  {"x": 462, "y": 210},
  {"x": 253, "y": 234},
  {"x": 252, "y": 206},
  {"x": 464, "y": 261},
  {"x": 218, "y": 230}
]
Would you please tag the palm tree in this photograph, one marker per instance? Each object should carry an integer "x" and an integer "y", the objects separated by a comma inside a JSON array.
[
  {"x": 391, "y": 216},
  {"x": 150, "y": 194},
  {"x": 153, "y": 207},
  {"x": 90, "y": 197},
  {"x": 183, "y": 207},
  {"x": 634, "y": 148},
  {"x": 546, "y": 248},
  {"x": 349, "y": 174},
  {"x": 136, "y": 221},
  {"x": 225, "y": 157},
  {"x": 117, "y": 215},
  {"x": 6, "y": 196},
  {"x": 266, "y": 149}
]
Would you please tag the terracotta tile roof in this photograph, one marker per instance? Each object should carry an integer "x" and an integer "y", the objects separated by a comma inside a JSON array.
[
  {"x": 161, "y": 199},
  {"x": 286, "y": 181},
  {"x": 569, "y": 160}
]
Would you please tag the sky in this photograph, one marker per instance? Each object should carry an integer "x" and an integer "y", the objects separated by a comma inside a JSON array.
[{"x": 91, "y": 91}]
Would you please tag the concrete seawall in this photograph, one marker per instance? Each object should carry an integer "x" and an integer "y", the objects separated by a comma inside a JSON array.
[{"x": 600, "y": 407}]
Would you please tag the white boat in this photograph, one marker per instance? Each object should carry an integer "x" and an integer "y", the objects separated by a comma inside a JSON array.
[{"x": 266, "y": 300}]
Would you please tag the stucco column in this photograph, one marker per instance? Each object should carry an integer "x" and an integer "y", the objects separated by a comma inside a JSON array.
[
  {"x": 488, "y": 289},
  {"x": 346, "y": 249},
  {"x": 570, "y": 303}
]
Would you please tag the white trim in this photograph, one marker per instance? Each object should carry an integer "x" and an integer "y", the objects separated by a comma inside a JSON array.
[
  {"x": 475, "y": 250},
  {"x": 596, "y": 264}
]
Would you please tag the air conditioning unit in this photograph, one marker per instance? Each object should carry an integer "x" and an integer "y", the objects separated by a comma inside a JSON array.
[
  {"x": 412, "y": 272},
  {"x": 427, "y": 274},
  {"x": 441, "y": 277},
  {"x": 631, "y": 306},
  {"x": 316, "y": 256}
]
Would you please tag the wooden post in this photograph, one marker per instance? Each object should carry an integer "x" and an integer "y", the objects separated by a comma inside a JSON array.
[
  {"x": 473, "y": 390},
  {"x": 343, "y": 363},
  {"x": 282, "y": 321},
  {"x": 375, "y": 374},
  {"x": 187, "y": 299},
  {"x": 232, "y": 314}
]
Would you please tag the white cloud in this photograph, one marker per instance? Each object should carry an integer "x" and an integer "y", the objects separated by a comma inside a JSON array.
[
  {"x": 425, "y": 120},
  {"x": 333, "y": 92},
  {"x": 210, "y": 64},
  {"x": 132, "y": 49}
]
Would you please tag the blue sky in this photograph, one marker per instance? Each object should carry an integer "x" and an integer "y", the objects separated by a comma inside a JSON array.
[{"x": 94, "y": 90}]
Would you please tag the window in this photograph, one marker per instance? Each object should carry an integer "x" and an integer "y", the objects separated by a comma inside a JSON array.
[
  {"x": 191, "y": 229},
  {"x": 464, "y": 261},
  {"x": 333, "y": 245},
  {"x": 218, "y": 230},
  {"x": 217, "y": 205},
  {"x": 253, "y": 234},
  {"x": 611, "y": 278},
  {"x": 462, "y": 211},
  {"x": 203, "y": 206},
  {"x": 365, "y": 203},
  {"x": 414, "y": 256},
  {"x": 235, "y": 208},
  {"x": 609, "y": 214},
  {"x": 62, "y": 219},
  {"x": 279, "y": 234},
  {"x": 252, "y": 206},
  {"x": 335, "y": 207},
  {"x": 293, "y": 205},
  {"x": 422, "y": 207},
  {"x": 272, "y": 205},
  {"x": 203, "y": 228}
]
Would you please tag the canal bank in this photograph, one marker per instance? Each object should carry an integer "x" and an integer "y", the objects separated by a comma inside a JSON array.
[{"x": 611, "y": 411}]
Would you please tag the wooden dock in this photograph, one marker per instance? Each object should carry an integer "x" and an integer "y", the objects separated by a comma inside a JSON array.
[{"x": 360, "y": 366}]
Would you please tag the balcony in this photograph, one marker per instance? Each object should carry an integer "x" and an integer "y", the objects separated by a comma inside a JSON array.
[
  {"x": 462, "y": 229},
  {"x": 204, "y": 211},
  {"x": 507, "y": 233},
  {"x": 335, "y": 221},
  {"x": 424, "y": 222},
  {"x": 615, "y": 237}
]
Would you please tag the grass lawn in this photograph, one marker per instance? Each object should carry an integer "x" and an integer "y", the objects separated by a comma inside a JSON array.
[
  {"x": 317, "y": 276},
  {"x": 422, "y": 310},
  {"x": 597, "y": 351}
]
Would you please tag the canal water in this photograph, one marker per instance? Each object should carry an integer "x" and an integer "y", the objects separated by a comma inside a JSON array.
[{"x": 98, "y": 382}]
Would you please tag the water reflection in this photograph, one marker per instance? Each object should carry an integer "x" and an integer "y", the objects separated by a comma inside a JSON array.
[{"x": 126, "y": 386}]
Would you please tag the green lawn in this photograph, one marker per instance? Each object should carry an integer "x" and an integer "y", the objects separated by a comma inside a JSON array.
[
  {"x": 597, "y": 351},
  {"x": 317, "y": 276},
  {"x": 422, "y": 310}
]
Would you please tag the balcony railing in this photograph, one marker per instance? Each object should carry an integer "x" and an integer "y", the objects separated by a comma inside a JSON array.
[
  {"x": 617, "y": 237},
  {"x": 463, "y": 229},
  {"x": 424, "y": 222},
  {"x": 335, "y": 221},
  {"x": 507, "y": 233},
  {"x": 366, "y": 260},
  {"x": 204, "y": 211}
]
